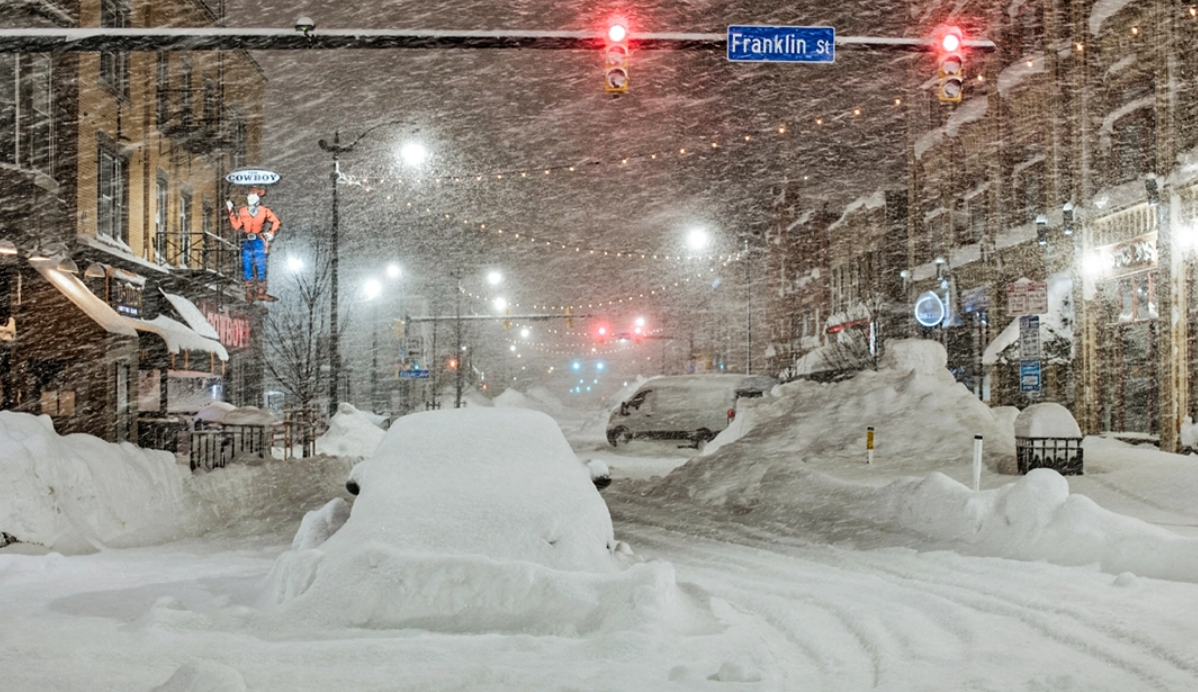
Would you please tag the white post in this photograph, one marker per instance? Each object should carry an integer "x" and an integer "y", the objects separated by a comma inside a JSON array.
[
  {"x": 869, "y": 445},
  {"x": 977, "y": 463}
]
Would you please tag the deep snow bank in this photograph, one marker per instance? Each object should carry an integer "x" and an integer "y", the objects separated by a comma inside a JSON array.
[
  {"x": 497, "y": 530},
  {"x": 775, "y": 466},
  {"x": 78, "y": 493},
  {"x": 922, "y": 420}
]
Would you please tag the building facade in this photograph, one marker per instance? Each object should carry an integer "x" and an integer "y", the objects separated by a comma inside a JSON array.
[{"x": 120, "y": 290}]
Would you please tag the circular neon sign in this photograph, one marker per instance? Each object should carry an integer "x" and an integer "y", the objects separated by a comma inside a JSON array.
[{"x": 929, "y": 309}]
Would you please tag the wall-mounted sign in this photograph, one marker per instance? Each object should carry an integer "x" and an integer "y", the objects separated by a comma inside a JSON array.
[
  {"x": 1027, "y": 298},
  {"x": 1029, "y": 375},
  {"x": 929, "y": 309},
  {"x": 1134, "y": 255},
  {"x": 125, "y": 297},
  {"x": 234, "y": 330},
  {"x": 1029, "y": 337},
  {"x": 253, "y": 176}
]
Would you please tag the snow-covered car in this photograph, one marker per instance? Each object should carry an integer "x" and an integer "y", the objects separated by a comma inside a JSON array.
[
  {"x": 468, "y": 519},
  {"x": 684, "y": 407}
]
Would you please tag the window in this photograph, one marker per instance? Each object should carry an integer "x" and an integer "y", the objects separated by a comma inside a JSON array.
[
  {"x": 26, "y": 111},
  {"x": 111, "y": 192},
  {"x": 207, "y": 227},
  {"x": 238, "y": 136},
  {"x": 161, "y": 197},
  {"x": 8, "y": 108},
  {"x": 977, "y": 218},
  {"x": 184, "y": 227},
  {"x": 114, "y": 67},
  {"x": 211, "y": 105},
  {"x": 162, "y": 86},
  {"x": 186, "y": 112},
  {"x": 1029, "y": 188},
  {"x": 1031, "y": 29},
  {"x": 1133, "y": 146}
]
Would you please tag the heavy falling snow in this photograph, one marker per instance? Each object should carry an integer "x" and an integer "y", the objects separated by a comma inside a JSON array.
[{"x": 775, "y": 559}]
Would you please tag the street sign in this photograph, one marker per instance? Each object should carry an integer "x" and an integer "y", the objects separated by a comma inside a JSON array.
[
  {"x": 414, "y": 374},
  {"x": 1029, "y": 375},
  {"x": 781, "y": 43},
  {"x": 1029, "y": 338}
]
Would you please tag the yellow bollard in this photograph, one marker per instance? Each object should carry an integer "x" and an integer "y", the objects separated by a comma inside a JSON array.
[{"x": 869, "y": 445}]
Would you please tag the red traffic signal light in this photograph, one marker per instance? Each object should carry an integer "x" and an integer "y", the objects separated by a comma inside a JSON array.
[
  {"x": 615, "y": 58},
  {"x": 950, "y": 65}
]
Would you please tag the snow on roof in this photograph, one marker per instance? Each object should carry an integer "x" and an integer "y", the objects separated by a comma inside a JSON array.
[
  {"x": 1014, "y": 74},
  {"x": 1046, "y": 419},
  {"x": 177, "y": 336},
  {"x": 192, "y": 316},
  {"x": 870, "y": 201},
  {"x": 1104, "y": 10},
  {"x": 91, "y": 304}
]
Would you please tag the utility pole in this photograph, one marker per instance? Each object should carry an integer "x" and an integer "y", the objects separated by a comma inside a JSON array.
[
  {"x": 748, "y": 310},
  {"x": 334, "y": 331}
]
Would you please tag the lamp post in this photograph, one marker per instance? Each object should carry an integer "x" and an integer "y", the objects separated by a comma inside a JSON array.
[{"x": 336, "y": 149}]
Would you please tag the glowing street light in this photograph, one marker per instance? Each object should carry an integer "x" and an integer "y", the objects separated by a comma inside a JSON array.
[
  {"x": 413, "y": 154},
  {"x": 697, "y": 239},
  {"x": 372, "y": 288},
  {"x": 295, "y": 264},
  {"x": 393, "y": 270},
  {"x": 494, "y": 278}
]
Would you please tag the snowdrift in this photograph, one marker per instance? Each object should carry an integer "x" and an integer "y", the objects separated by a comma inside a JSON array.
[
  {"x": 500, "y": 530},
  {"x": 776, "y": 465},
  {"x": 351, "y": 433},
  {"x": 78, "y": 493},
  {"x": 922, "y": 420}
]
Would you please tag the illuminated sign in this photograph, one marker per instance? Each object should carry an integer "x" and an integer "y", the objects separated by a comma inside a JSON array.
[
  {"x": 253, "y": 176},
  {"x": 234, "y": 330},
  {"x": 929, "y": 309},
  {"x": 125, "y": 297}
]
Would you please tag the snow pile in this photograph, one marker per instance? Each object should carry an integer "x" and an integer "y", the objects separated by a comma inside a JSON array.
[
  {"x": 1046, "y": 420},
  {"x": 78, "y": 493},
  {"x": 922, "y": 420},
  {"x": 499, "y": 530},
  {"x": 321, "y": 523},
  {"x": 351, "y": 433},
  {"x": 222, "y": 412},
  {"x": 203, "y": 676},
  {"x": 214, "y": 412},
  {"x": 1036, "y": 518}
]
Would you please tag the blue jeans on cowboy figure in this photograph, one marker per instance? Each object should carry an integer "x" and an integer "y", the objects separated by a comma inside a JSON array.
[{"x": 253, "y": 266}]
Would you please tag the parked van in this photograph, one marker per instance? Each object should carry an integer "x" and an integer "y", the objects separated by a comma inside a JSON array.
[{"x": 685, "y": 407}]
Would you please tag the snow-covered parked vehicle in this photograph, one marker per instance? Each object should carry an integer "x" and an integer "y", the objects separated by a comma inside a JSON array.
[
  {"x": 684, "y": 407},
  {"x": 475, "y": 518}
]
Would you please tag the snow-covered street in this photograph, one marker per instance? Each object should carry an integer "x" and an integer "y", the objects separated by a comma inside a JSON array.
[{"x": 749, "y": 569}]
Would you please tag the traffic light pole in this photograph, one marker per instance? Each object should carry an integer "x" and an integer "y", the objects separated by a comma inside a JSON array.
[{"x": 58, "y": 40}]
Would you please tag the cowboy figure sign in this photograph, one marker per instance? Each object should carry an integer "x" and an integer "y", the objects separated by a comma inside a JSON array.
[{"x": 259, "y": 226}]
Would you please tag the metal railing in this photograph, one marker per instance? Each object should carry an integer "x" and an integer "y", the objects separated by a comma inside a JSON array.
[
  {"x": 1062, "y": 454},
  {"x": 205, "y": 251},
  {"x": 299, "y": 429},
  {"x": 219, "y": 445}
]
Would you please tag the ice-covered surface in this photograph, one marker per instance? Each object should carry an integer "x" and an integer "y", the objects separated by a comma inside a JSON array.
[
  {"x": 1046, "y": 419},
  {"x": 351, "y": 433}
]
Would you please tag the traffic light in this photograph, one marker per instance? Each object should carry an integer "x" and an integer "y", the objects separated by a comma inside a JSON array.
[
  {"x": 452, "y": 364},
  {"x": 569, "y": 318},
  {"x": 601, "y": 334},
  {"x": 950, "y": 65},
  {"x": 507, "y": 319},
  {"x": 615, "y": 58}
]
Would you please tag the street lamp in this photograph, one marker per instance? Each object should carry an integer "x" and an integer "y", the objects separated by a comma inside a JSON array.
[
  {"x": 337, "y": 149},
  {"x": 494, "y": 278}
]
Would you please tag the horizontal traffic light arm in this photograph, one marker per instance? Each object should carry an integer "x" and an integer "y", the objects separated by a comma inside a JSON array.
[
  {"x": 479, "y": 318},
  {"x": 223, "y": 38}
]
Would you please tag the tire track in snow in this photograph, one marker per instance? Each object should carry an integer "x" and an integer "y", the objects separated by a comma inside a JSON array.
[{"x": 922, "y": 578}]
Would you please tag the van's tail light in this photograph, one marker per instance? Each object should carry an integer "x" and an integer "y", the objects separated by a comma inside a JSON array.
[{"x": 731, "y": 414}]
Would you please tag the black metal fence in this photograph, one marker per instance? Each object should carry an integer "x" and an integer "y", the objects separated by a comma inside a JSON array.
[
  {"x": 1062, "y": 454},
  {"x": 215, "y": 447}
]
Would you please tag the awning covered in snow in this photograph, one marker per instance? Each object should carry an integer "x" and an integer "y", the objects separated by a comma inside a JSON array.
[
  {"x": 177, "y": 336},
  {"x": 192, "y": 316},
  {"x": 91, "y": 304}
]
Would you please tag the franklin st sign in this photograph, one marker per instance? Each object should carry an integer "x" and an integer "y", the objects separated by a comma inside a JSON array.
[{"x": 781, "y": 43}]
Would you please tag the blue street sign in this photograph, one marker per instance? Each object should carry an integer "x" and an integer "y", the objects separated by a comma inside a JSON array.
[
  {"x": 1029, "y": 375},
  {"x": 414, "y": 374},
  {"x": 782, "y": 43}
]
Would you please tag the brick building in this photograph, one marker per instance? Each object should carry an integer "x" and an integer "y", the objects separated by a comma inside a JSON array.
[{"x": 120, "y": 287}]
